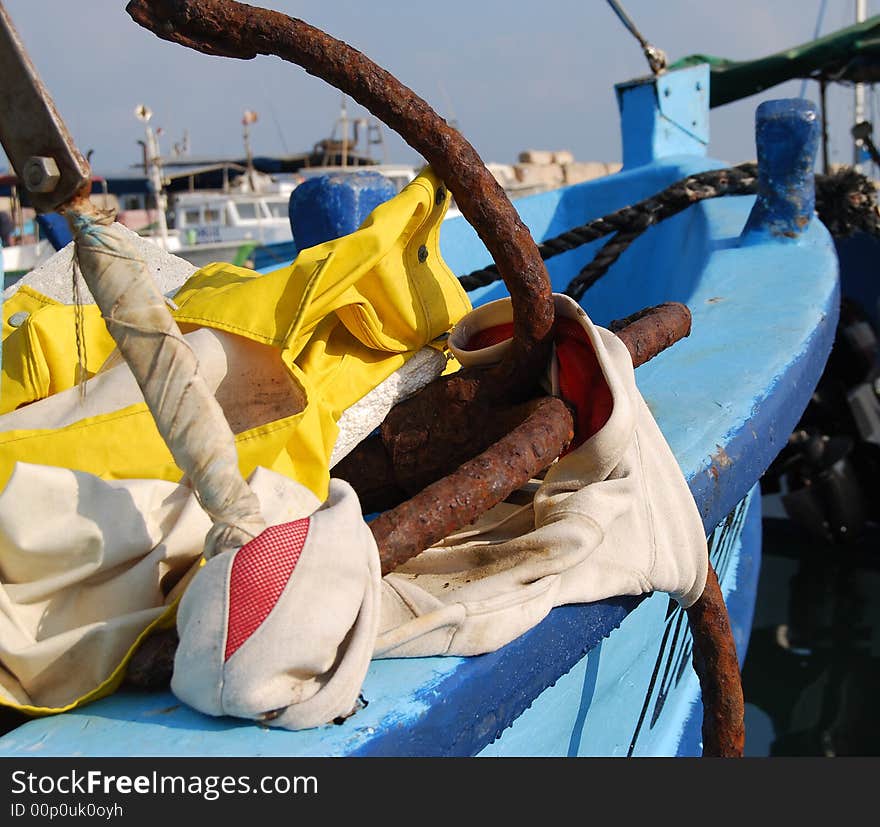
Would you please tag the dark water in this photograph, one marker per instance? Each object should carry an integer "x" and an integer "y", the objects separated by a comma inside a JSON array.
[{"x": 811, "y": 677}]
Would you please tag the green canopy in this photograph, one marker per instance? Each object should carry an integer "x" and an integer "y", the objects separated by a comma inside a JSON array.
[{"x": 850, "y": 55}]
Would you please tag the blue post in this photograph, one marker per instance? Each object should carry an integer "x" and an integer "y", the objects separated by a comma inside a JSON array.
[
  {"x": 787, "y": 138},
  {"x": 331, "y": 206}
]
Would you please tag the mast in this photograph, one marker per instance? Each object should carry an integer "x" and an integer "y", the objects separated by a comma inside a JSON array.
[
  {"x": 859, "y": 100},
  {"x": 247, "y": 119},
  {"x": 144, "y": 113},
  {"x": 823, "y": 103}
]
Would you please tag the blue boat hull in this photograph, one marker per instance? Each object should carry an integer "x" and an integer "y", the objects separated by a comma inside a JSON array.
[{"x": 612, "y": 677}]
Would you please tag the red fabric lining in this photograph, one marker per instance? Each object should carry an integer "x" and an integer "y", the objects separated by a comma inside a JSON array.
[
  {"x": 581, "y": 382},
  {"x": 490, "y": 336},
  {"x": 260, "y": 572}
]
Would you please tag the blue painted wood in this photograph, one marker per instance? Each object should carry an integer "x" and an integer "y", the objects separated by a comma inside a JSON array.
[
  {"x": 726, "y": 399},
  {"x": 636, "y": 693},
  {"x": 54, "y": 227},
  {"x": 664, "y": 116},
  {"x": 787, "y": 137},
  {"x": 268, "y": 257}
]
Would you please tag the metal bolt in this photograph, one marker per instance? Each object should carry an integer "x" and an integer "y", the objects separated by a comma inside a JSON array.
[
  {"x": 423, "y": 254},
  {"x": 41, "y": 174}
]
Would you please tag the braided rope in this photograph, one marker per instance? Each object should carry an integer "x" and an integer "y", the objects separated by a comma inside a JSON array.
[
  {"x": 846, "y": 202},
  {"x": 634, "y": 219}
]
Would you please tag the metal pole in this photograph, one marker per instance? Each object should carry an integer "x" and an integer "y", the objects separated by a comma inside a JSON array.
[
  {"x": 826, "y": 169},
  {"x": 158, "y": 189},
  {"x": 248, "y": 118},
  {"x": 859, "y": 102}
]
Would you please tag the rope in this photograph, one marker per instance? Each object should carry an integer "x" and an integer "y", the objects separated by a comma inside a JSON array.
[
  {"x": 636, "y": 218},
  {"x": 846, "y": 202},
  {"x": 79, "y": 328}
]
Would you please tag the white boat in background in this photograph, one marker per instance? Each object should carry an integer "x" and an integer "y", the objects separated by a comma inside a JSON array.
[
  {"x": 242, "y": 215},
  {"x": 210, "y": 225},
  {"x": 22, "y": 258}
]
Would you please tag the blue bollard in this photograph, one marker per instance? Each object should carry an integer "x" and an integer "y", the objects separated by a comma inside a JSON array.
[
  {"x": 331, "y": 206},
  {"x": 787, "y": 138}
]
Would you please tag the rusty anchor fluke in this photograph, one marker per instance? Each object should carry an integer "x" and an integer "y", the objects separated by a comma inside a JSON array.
[{"x": 487, "y": 464}]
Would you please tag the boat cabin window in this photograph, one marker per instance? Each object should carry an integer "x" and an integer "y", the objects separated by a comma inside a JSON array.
[
  {"x": 213, "y": 215},
  {"x": 247, "y": 211},
  {"x": 192, "y": 218},
  {"x": 277, "y": 208}
]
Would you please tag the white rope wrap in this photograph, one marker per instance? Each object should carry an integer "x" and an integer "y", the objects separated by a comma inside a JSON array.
[{"x": 167, "y": 371}]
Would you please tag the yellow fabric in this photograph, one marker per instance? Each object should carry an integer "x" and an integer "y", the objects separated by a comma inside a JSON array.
[
  {"x": 345, "y": 315},
  {"x": 39, "y": 355}
]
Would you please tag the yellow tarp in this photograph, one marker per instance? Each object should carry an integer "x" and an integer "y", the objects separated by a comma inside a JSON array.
[{"x": 344, "y": 315}]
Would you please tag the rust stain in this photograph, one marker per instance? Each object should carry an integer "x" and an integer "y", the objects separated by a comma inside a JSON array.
[
  {"x": 652, "y": 330},
  {"x": 720, "y": 457},
  {"x": 165, "y": 710},
  {"x": 455, "y": 501}
]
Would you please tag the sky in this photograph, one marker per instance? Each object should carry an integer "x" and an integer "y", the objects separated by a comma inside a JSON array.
[{"x": 512, "y": 75}]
